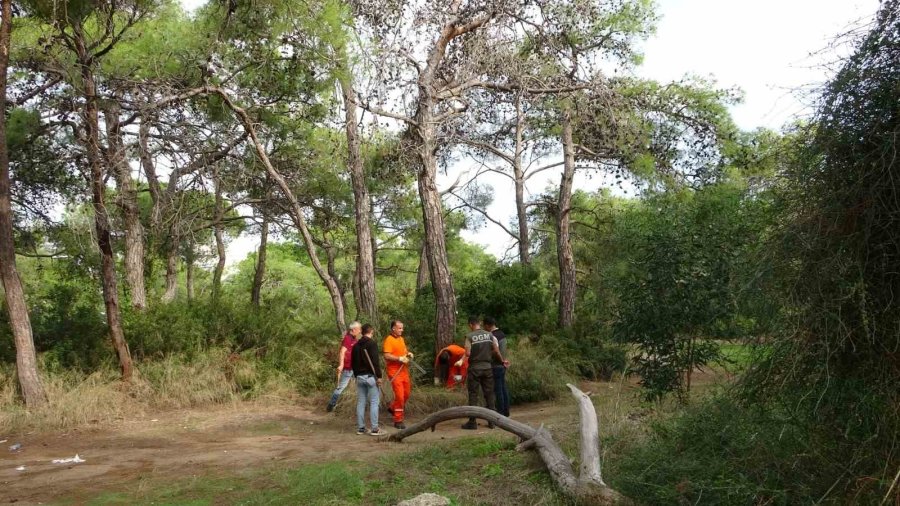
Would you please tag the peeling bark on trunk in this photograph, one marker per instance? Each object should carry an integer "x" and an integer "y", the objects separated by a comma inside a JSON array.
[
  {"x": 19, "y": 321},
  {"x": 218, "y": 230},
  {"x": 91, "y": 116},
  {"x": 259, "y": 273},
  {"x": 587, "y": 488},
  {"x": 564, "y": 254},
  {"x": 366, "y": 307},
  {"x": 424, "y": 129},
  {"x": 423, "y": 274},
  {"x": 128, "y": 204}
]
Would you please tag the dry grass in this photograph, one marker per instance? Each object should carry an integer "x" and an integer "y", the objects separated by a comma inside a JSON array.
[{"x": 77, "y": 398}]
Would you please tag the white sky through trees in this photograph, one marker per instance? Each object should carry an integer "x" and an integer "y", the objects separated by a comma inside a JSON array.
[{"x": 775, "y": 51}]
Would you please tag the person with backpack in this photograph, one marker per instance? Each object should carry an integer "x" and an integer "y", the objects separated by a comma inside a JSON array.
[{"x": 367, "y": 369}]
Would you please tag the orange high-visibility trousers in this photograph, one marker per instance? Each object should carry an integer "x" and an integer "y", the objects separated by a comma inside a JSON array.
[
  {"x": 454, "y": 371},
  {"x": 402, "y": 388}
]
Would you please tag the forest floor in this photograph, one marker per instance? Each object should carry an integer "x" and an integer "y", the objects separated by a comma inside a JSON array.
[{"x": 296, "y": 453}]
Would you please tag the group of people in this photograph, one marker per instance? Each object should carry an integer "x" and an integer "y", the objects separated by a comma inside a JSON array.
[{"x": 480, "y": 363}]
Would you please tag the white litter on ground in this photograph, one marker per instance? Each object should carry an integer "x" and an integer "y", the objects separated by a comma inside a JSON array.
[
  {"x": 20, "y": 468},
  {"x": 73, "y": 460}
]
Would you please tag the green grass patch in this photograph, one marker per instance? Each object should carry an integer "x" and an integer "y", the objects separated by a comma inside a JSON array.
[{"x": 737, "y": 356}]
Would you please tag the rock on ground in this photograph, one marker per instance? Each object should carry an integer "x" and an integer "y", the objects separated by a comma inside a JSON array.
[{"x": 428, "y": 499}]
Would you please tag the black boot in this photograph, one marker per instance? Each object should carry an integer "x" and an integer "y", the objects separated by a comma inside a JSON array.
[{"x": 470, "y": 425}]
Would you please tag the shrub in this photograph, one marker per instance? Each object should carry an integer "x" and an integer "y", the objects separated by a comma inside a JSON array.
[
  {"x": 536, "y": 372},
  {"x": 513, "y": 294},
  {"x": 722, "y": 452}
]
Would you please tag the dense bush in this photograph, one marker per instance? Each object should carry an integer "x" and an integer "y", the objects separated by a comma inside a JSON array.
[
  {"x": 536, "y": 373},
  {"x": 513, "y": 294},
  {"x": 720, "y": 452}
]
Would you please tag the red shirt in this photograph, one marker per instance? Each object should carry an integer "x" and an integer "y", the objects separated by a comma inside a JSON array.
[{"x": 347, "y": 344}]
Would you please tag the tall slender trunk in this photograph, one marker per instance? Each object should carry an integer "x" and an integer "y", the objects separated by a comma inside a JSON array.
[
  {"x": 128, "y": 204},
  {"x": 296, "y": 212},
  {"x": 564, "y": 254},
  {"x": 259, "y": 273},
  {"x": 366, "y": 306},
  {"x": 91, "y": 116},
  {"x": 218, "y": 231},
  {"x": 423, "y": 273},
  {"x": 149, "y": 169},
  {"x": 436, "y": 246},
  {"x": 189, "y": 271},
  {"x": 519, "y": 178},
  {"x": 171, "y": 269},
  {"x": 331, "y": 265},
  {"x": 19, "y": 321}
]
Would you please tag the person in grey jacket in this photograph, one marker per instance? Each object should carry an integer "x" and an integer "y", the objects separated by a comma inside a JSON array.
[{"x": 481, "y": 349}]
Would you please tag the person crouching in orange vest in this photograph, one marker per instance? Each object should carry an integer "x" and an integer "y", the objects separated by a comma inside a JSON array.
[
  {"x": 397, "y": 357},
  {"x": 451, "y": 366}
]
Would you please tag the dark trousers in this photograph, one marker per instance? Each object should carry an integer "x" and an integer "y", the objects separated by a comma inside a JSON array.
[
  {"x": 483, "y": 379},
  {"x": 500, "y": 390}
]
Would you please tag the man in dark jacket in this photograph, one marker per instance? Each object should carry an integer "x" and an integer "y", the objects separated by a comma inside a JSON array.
[
  {"x": 481, "y": 348},
  {"x": 500, "y": 391},
  {"x": 367, "y": 369}
]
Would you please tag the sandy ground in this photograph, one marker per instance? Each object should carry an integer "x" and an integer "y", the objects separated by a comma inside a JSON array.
[{"x": 197, "y": 442}]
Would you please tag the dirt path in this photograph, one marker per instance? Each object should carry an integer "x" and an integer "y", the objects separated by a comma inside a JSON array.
[{"x": 181, "y": 444}]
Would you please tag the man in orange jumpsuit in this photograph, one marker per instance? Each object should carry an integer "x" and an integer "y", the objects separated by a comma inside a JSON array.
[
  {"x": 451, "y": 366},
  {"x": 397, "y": 357}
]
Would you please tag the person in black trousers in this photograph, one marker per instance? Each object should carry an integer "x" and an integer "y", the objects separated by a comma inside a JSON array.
[
  {"x": 501, "y": 393},
  {"x": 481, "y": 348}
]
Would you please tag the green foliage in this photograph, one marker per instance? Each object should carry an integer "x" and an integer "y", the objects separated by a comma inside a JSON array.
[
  {"x": 514, "y": 295},
  {"x": 719, "y": 452},
  {"x": 682, "y": 286},
  {"x": 538, "y": 372}
]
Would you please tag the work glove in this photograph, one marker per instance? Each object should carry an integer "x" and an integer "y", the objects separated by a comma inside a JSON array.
[
  {"x": 458, "y": 363},
  {"x": 410, "y": 356},
  {"x": 404, "y": 360}
]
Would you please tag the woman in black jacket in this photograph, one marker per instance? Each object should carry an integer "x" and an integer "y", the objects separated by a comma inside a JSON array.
[{"x": 365, "y": 361}]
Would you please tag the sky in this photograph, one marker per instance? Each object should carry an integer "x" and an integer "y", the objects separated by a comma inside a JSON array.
[{"x": 771, "y": 49}]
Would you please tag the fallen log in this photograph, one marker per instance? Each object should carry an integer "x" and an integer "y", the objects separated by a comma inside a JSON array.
[{"x": 587, "y": 488}]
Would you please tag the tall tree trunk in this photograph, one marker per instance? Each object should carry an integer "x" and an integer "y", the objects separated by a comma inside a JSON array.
[
  {"x": 149, "y": 169},
  {"x": 171, "y": 269},
  {"x": 436, "y": 246},
  {"x": 218, "y": 230},
  {"x": 331, "y": 264},
  {"x": 128, "y": 203},
  {"x": 564, "y": 254},
  {"x": 189, "y": 271},
  {"x": 259, "y": 273},
  {"x": 423, "y": 273},
  {"x": 19, "y": 321},
  {"x": 296, "y": 212},
  {"x": 366, "y": 307},
  {"x": 91, "y": 115},
  {"x": 519, "y": 178}
]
